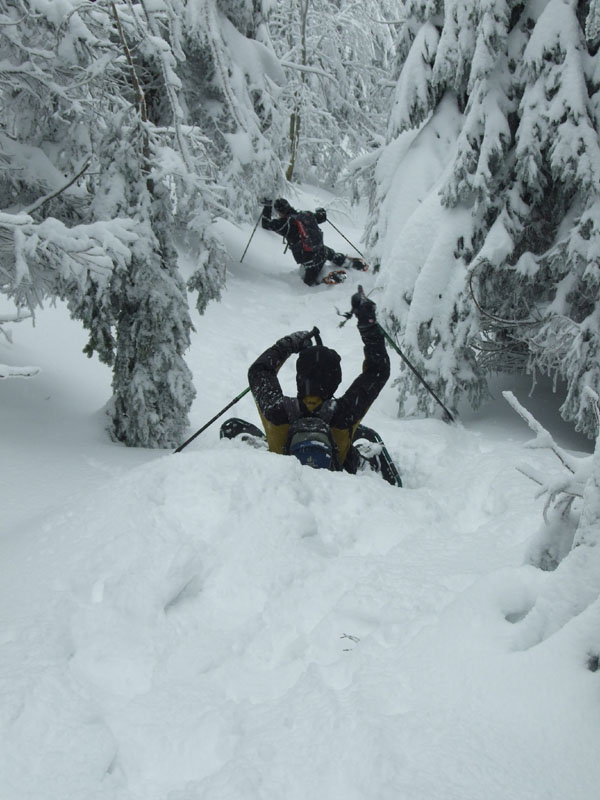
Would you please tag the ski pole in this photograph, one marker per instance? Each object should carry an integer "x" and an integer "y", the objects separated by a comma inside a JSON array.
[
  {"x": 210, "y": 422},
  {"x": 250, "y": 239},
  {"x": 345, "y": 237},
  {"x": 315, "y": 333},
  {"x": 348, "y": 315},
  {"x": 447, "y": 415}
]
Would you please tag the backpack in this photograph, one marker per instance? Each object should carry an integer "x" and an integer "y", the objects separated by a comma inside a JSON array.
[
  {"x": 309, "y": 232},
  {"x": 310, "y": 440}
]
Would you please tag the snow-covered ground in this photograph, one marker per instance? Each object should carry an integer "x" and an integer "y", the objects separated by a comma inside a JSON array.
[{"x": 225, "y": 623}]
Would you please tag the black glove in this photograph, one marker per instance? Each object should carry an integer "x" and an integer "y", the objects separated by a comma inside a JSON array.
[
  {"x": 321, "y": 215},
  {"x": 363, "y": 309},
  {"x": 296, "y": 342},
  {"x": 265, "y": 201}
]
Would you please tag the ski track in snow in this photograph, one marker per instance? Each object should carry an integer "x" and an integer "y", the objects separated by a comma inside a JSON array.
[{"x": 225, "y": 623}]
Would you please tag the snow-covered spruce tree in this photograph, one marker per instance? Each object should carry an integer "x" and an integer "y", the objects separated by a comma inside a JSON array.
[
  {"x": 525, "y": 166},
  {"x": 154, "y": 38},
  {"x": 539, "y": 268},
  {"x": 152, "y": 385},
  {"x": 336, "y": 57},
  {"x": 414, "y": 232},
  {"x": 117, "y": 270}
]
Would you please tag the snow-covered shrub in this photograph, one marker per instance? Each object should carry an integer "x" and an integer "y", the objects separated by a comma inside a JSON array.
[
  {"x": 568, "y": 544},
  {"x": 571, "y": 491}
]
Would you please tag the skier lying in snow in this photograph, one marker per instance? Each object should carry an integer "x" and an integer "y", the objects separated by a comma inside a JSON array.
[
  {"x": 304, "y": 237},
  {"x": 317, "y": 428}
]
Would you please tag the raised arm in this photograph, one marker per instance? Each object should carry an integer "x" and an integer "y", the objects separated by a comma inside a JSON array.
[
  {"x": 262, "y": 375},
  {"x": 362, "y": 392},
  {"x": 279, "y": 225}
]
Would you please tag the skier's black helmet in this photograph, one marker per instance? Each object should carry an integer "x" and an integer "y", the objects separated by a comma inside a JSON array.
[
  {"x": 318, "y": 372},
  {"x": 282, "y": 207}
]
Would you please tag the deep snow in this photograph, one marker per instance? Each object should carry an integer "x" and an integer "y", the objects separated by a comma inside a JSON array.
[{"x": 224, "y": 623}]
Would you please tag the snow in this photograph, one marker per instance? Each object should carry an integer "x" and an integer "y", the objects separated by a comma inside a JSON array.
[{"x": 225, "y": 623}]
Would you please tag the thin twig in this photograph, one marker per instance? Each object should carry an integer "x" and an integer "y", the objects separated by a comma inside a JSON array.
[{"x": 497, "y": 320}]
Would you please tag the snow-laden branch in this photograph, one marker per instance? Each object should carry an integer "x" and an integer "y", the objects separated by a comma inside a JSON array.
[
  {"x": 163, "y": 52},
  {"x": 562, "y": 489},
  {"x": 40, "y": 259},
  {"x": 216, "y": 45},
  {"x": 42, "y": 200},
  {"x": 4, "y": 318},
  {"x": 17, "y": 372},
  {"x": 306, "y": 68},
  {"x": 543, "y": 439}
]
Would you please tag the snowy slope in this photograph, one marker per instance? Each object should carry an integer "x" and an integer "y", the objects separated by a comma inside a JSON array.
[{"x": 224, "y": 623}]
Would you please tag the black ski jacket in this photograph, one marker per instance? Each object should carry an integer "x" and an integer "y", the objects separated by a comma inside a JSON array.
[
  {"x": 285, "y": 227},
  {"x": 277, "y": 410}
]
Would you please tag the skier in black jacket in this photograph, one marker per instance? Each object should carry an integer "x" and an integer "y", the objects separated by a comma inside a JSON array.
[
  {"x": 301, "y": 231},
  {"x": 318, "y": 375}
]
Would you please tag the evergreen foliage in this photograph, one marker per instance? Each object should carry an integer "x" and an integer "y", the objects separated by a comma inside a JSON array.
[
  {"x": 125, "y": 129},
  {"x": 520, "y": 279},
  {"x": 146, "y": 303},
  {"x": 152, "y": 385}
]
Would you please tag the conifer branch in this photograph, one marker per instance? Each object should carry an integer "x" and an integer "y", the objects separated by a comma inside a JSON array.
[
  {"x": 497, "y": 320},
  {"x": 46, "y": 199}
]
